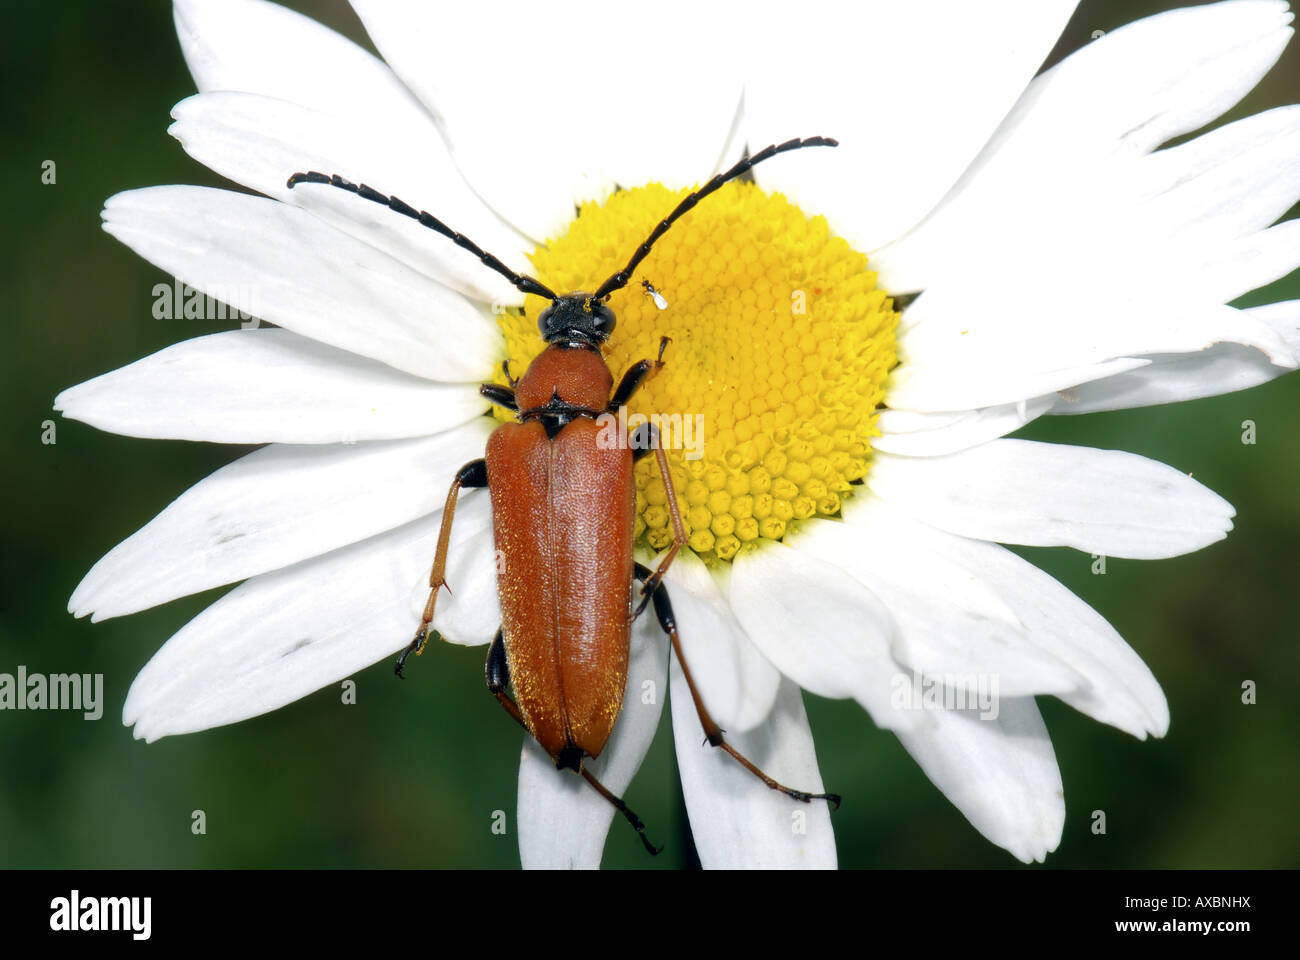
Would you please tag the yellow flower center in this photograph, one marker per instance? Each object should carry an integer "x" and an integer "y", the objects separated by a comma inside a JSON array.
[{"x": 781, "y": 345}]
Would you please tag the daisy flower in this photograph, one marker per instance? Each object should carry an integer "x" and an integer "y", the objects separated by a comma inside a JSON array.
[{"x": 855, "y": 334}]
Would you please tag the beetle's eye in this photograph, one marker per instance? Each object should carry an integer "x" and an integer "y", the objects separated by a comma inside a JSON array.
[
  {"x": 604, "y": 320},
  {"x": 544, "y": 319}
]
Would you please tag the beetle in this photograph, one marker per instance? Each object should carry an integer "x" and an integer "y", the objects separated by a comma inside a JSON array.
[{"x": 563, "y": 510}]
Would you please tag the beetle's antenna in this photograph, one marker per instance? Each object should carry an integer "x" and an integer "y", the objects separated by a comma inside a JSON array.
[
  {"x": 523, "y": 282},
  {"x": 619, "y": 280}
]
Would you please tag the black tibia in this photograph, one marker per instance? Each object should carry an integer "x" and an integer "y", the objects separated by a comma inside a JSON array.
[
  {"x": 644, "y": 440},
  {"x": 501, "y": 396},
  {"x": 497, "y": 674},
  {"x": 497, "y": 669},
  {"x": 473, "y": 474},
  {"x": 663, "y": 606},
  {"x": 636, "y": 375},
  {"x": 713, "y": 734},
  {"x": 631, "y": 382}
]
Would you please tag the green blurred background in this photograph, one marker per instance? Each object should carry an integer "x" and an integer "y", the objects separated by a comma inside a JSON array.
[{"x": 409, "y": 776}]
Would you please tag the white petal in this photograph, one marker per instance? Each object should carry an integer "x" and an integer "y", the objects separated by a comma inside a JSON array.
[
  {"x": 1230, "y": 182},
  {"x": 1190, "y": 219},
  {"x": 266, "y": 386},
  {"x": 1071, "y": 135},
  {"x": 283, "y": 635},
  {"x": 823, "y": 629},
  {"x": 563, "y": 821},
  {"x": 1000, "y": 773},
  {"x": 270, "y": 509},
  {"x": 736, "y": 820},
  {"x": 963, "y": 355},
  {"x": 579, "y": 133},
  {"x": 910, "y": 101},
  {"x": 259, "y": 141},
  {"x": 264, "y": 48},
  {"x": 1121, "y": 689},
  {"x": 287, "y": 266},
  {"x": 1116, "y": 688},
  {"x": 1236, "y": 267},
  {"x": 949, "y": 622},
  {"x": 1284, "y": 318},
  {"x": 1046, "y": 494},
  {"x": 940, "y": 387},
  {"x": 913, "y": 434},
  {"x": 1223, "y": 368},
  {"x": 737, "y": 683},
  {"x": 1155, "y": 246}
]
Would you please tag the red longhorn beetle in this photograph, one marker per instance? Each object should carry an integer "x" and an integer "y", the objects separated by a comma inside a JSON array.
[{"x": 563, "y": 509}]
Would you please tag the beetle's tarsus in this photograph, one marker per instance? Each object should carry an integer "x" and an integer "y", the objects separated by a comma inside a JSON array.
[
  {"x": 416, "y": 646},
  {"x": 651, "y": 849},
  {"x": 832, "y": 799}
]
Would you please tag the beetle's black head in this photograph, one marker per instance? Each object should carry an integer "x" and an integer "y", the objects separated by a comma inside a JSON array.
[{"x": 576, "y": 316}]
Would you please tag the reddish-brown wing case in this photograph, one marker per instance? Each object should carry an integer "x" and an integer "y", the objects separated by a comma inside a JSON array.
[{"x": 563, "y": 512}]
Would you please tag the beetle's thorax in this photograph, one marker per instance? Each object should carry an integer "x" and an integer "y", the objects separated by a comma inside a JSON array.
[{"x": 574, "y": 374}]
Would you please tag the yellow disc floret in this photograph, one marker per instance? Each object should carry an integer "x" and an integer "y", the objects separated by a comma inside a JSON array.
[{"x": 781, "y": 345}]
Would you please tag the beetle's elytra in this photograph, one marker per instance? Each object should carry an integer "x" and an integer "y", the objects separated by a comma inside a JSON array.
[{"x": 563, "y": 510}]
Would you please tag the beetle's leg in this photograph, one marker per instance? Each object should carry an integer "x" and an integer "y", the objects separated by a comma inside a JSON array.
[
  {"x": 631, "y": 382},
  {"x": 636, "y": 375},
  {"x": 505, "y": 368},
  {"x": 497, "y": 672},
  {"x": 679, "y": 530},
  {"x": 623, "y": 808},
  {"x": 712, "y": 732},
  {"x": 501, "y": 396},
  {"x": 643, "y": 441},
  {"x": 473, "y": 474}
]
